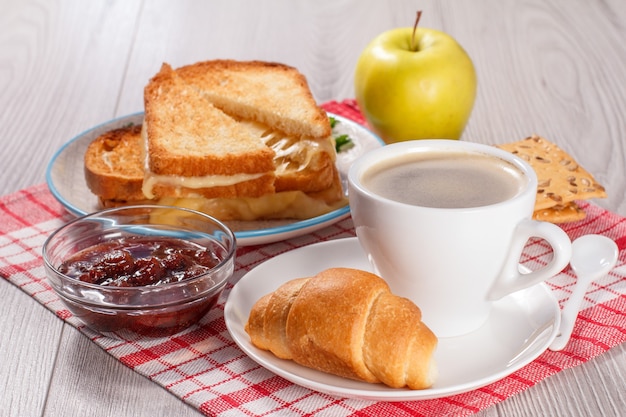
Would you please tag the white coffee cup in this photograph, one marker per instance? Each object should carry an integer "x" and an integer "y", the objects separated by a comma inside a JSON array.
[{"x": 453, "y": 262}]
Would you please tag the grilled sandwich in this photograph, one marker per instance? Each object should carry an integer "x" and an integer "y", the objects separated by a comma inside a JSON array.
[{"x": 238, "y": 140}]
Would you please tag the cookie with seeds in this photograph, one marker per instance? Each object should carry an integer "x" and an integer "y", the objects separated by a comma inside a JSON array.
[
  {"x": 569, "y": 212},
  {"x": 561, "y": 180}
]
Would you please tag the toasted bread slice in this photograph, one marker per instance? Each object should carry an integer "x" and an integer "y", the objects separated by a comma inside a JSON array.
[
  {"x": 274, "y": 101},
  {"x": 274, "y": 94},
  {"x": 114, "y": 165},
  {"x": 195, "y": 149}
]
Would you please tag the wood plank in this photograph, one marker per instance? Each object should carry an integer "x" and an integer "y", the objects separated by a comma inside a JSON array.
[
  {"x": 572, "y": 392},
  {"x": 28, "y": 349},
  {"x": 87, "y": 381},
  {"x": 551, "y": 70},
  {"x": 62, "y": 64},
  {"x": 322, "y": 39}
]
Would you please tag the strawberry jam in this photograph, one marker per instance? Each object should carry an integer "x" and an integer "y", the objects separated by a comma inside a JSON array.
[
  {"x": 139, "y": 261},
  {"x": 137, "y": 276}
]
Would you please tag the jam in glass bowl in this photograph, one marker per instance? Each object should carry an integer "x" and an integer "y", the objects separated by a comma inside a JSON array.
[{"x": 149, "y": 270}]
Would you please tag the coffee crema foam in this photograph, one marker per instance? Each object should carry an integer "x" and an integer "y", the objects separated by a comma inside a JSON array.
[{"x": 445, "y": 179}]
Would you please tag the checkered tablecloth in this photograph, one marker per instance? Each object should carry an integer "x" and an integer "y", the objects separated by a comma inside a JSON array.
[{"x": 205, "y": 368}]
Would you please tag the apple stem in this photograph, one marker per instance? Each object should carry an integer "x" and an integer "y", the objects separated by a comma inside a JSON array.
[{"x": 417, "y": 20}]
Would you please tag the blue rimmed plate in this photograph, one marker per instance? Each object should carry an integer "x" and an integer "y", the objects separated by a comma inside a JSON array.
[{"x": 66, "y": 180}]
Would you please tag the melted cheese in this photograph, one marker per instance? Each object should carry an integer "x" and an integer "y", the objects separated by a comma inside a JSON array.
[
  {"x": 291, "y": 155},
  {"x": 282, "y": 205},
  {"x": 206, "y": 181}
]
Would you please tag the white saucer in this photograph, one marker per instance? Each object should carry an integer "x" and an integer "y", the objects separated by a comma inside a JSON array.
[
  {"x": 519, "y": 329},
  {"x": 66, "y": 181}
]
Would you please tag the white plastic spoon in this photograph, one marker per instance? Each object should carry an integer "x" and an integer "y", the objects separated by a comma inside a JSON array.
[{"x": 593, "y": 256}]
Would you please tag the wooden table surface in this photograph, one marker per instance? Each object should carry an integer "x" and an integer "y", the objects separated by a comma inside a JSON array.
[{"x": 555, "y": 68}]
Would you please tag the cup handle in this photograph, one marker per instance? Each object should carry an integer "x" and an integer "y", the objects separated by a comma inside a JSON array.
[{"x": 511, "y": 279}]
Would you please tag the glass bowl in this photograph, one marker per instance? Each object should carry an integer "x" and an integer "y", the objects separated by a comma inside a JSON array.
[{"x": 111, "y": 297}]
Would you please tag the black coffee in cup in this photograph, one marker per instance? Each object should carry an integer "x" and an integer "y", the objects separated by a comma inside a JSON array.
[{"x": 445, "y": 180}]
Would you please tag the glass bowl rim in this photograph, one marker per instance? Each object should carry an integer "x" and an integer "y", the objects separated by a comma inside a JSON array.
[{"x": 223, "y": 263}]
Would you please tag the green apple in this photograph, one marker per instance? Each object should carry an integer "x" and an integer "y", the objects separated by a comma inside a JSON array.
[{"x": 415, "y": 83}]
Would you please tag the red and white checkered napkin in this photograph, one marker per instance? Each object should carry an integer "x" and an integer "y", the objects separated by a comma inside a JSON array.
[{"x": 205, "y": 368}]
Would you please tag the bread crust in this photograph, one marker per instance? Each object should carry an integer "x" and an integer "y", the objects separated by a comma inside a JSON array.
[
  {"x": 326, "y": 325},
  {"x": 347, "y": 322},
  {"x": 275, "y": 318},
  {"x": 113, "y": 164},
  {"x": 188, "y": 136},
  {"x": 390, "y": 347},
  {"x": 260, "y": 91}
]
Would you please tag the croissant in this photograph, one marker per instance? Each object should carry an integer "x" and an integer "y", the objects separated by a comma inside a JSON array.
[{"x": 346, "y": 322}]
